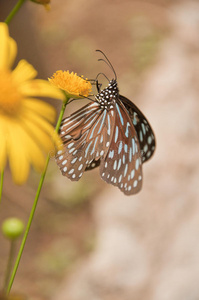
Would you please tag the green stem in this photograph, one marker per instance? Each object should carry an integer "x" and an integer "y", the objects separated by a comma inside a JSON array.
[
  {"x": 1, "y": 184},
  {"x": 9, "y": 265},
  {"x": 61, "y": 113},
  {"x": 34, "y": 206},
  {"x": 27, "y": 228},
  {"x": 14, "y": 11}
]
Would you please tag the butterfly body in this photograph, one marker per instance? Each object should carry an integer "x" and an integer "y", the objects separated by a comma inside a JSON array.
[{"x": 111, "y": 133}]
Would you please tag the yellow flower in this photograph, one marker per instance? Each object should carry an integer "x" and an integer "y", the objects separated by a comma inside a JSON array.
[
  {"x": 26, "y": 131},
  {"x": 73, "y": 85}
]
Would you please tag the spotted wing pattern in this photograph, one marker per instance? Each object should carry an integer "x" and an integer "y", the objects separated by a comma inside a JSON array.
[
  {"x": 143, "y": 129},
  {"x": 122, "y": 165},
  {"x": 86, "y": 136},
  {"x": 110, "y": 132}
]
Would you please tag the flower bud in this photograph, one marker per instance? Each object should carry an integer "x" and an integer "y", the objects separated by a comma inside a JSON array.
[{"x": 12, "y": 228}]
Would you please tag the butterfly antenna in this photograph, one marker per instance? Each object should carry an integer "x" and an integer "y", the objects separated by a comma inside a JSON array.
[
  {"x": 102, "y": 74},
  {"x": 107, "y": 61},
  {"x": 99, "y": 85}
]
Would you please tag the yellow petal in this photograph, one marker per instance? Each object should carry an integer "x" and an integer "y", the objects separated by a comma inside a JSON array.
[
  {"x": 40, "y": 88},
  {"x": 4, "y": 46},
  {"x": 23, "y": 71},
  {"x": 12, "y": 52},
  {"x": 17, "y": 153},
  {"x": 45, "y": 127},
  {"x": 41, "y": 108},
  {"x": 38, "y": 159},
  {"x": 41, "y": 137},
  {"x": 3, "y": 139},
  {"x": 35, "y": 154}
]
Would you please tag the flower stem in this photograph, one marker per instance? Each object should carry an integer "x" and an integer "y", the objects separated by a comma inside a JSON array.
[
  {"x": 9, "y": 265},
  {"x": 34, "y": 206},
  {"x": 27, "y": 229},
  {"x": 61, "y": 113},
  {"x": 14, "y": 11},
  {"x": 1, "y": 184}
]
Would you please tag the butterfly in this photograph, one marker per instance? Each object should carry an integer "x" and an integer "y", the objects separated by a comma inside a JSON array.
[{"x": 112, "y": 133}]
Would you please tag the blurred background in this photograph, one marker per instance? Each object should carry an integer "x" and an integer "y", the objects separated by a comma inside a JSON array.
[{"x": 88, "y": 241}]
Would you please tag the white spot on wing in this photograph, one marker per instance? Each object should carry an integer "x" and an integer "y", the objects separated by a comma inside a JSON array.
[
  {"x": 74, "y": 160},
  {"x": 132, "y": 174},
  {"x": 80, "y": 167},
  {"x": 149, "y": 139},
  {"x": 137, "y": 163},
  {"x": 102, "y": 152},
  {"x": 120, "y": 147},
  {"x": 116, "y": 133},
  {"x": 115, "y": 165},
  {"x": 70, "y": 145},
  {"x": 135, "y": 183},
  {"x": 127, "y": 130},
  {"x": 125, "y": 170},
  {"x": 119, "y": 164},
  {"x": 64, "y": 162},
  {"x": 111, "y": 154},
  {"x": 71, "y": 150}
]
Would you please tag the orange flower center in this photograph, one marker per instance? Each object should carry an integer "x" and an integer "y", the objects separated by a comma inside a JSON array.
[{"x": 10, "y": 97}]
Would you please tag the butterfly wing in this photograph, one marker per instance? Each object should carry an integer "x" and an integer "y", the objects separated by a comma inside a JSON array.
[
  {"x": 111, "y": 132},
  {"x": 94, "y": 164},
  {"x": 122, "y": 165},
  {"x": 144, "y": 131},
  {"x": 86, "y": 136}
]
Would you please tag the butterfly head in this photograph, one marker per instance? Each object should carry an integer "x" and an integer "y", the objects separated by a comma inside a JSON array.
[{"x": 108, "y": 96}]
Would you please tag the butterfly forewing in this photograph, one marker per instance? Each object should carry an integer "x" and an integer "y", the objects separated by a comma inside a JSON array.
[
  {"x": 122, "y": 165},
  {"x": 86, "y": 135},
  {"x": 144, "y": 131}
]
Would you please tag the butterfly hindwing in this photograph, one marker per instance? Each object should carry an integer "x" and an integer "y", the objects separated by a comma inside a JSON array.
[{"x": 144, "y": 131}]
